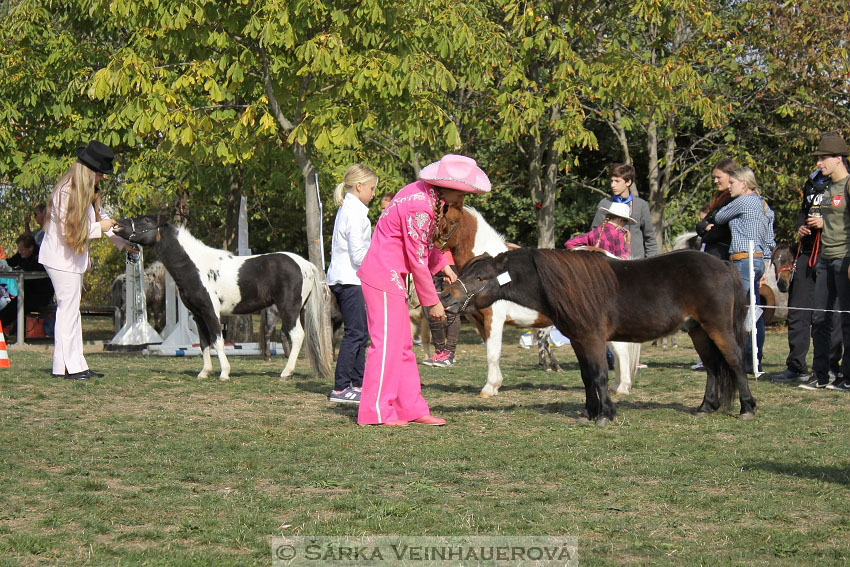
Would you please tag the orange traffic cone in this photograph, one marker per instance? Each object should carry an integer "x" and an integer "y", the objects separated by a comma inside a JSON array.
[{"x": 4, "y": 354}]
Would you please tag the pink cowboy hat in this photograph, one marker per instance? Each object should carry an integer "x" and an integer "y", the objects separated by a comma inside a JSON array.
[{"x": 456, "y": 172}]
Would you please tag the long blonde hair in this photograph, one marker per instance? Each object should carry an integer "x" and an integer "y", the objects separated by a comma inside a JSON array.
[
  {"x": 80, "y": 197},
  {"x": 357, "y": 173}
]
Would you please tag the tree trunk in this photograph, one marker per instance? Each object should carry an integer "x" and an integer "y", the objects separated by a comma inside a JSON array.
[
  {"x": 654, "y": 196},
  {"x": 311, "y": 202},
  {"x": 535, "y": 183},
  {"x": 546, "y": 214},
  {"x": 621, "y": 134},
  {"x": 237, "y": 328}
]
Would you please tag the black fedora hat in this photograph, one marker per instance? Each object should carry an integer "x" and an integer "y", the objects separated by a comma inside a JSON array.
[
  {"x": 832, "y": 144},
  {"x": 97, "y": 157}
]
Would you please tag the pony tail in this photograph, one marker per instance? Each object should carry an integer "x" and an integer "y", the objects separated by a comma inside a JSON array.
[
  {"x": 318, "y": 336},
  {"x": 339, "y": 194}
]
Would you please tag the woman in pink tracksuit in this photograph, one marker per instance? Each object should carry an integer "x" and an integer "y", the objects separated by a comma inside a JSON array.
[
  {"x": 402, "y": 244},
  {"x": 71, "y": 223}
]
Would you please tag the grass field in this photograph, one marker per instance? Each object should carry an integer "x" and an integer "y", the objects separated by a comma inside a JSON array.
[{"x": 150, "y": 466}]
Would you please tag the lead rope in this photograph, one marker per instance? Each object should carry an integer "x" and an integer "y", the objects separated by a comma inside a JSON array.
[{"x": 813, "y": 259}]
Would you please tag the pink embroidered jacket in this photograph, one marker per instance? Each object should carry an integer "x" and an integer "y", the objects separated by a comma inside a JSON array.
[{"x": 401, "y": 245}]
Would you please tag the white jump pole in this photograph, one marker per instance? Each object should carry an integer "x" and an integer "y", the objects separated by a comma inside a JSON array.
[
  {"x": 136, "y": 330},
  {"x": 753, "y": 315}
]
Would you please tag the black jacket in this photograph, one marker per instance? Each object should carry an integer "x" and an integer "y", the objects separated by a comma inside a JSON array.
[
  {"x": 816, "y": 184},
  {"x": 717, "y": 240}
]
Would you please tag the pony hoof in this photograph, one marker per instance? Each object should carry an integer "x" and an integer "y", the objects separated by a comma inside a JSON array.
[
  {"x": 484, "y": 394},
  {"x": 748, "y": 416},
  {"x": 582, "y": 420},
  {"x": 201, "y": 376},
  {"x": 224, "y": 378},
  {"x": 602, "y": 422},
  {"x": 701, "y": 414}
]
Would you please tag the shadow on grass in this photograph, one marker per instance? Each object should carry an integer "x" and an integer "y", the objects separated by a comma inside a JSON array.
[
  {"x": 631, "y": 405},
  {"x": 473, "y": 389},
  {"x": 312, "y": 386},
  {"x": 346, "y": 410},
  {"x": 836, "y": 475}
]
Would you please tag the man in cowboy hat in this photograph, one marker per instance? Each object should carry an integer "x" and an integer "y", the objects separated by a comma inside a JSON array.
[{"x": 831, "y": 279}]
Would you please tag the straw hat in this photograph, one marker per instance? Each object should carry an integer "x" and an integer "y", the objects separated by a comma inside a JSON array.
[{"x": 619, "y": 210}]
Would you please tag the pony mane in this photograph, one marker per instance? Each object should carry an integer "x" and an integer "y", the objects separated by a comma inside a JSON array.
[
  {"x": 579, "y": 286},
  {"x": 197, "y": 250}
]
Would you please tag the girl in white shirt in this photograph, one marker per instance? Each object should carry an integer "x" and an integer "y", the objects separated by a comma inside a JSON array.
[{"x": 351, "y": 237}]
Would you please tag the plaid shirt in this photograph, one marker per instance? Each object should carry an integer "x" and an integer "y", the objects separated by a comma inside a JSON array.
[
  {"x": 748, "y": 220},
  {"x": 605, "y": 236}
]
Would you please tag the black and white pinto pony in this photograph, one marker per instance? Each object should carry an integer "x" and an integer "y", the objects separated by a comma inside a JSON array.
[
  {"x": 215, "y": 282},
  {"x": 593, "y": 299},
  {"x": 469, "y": 235}
]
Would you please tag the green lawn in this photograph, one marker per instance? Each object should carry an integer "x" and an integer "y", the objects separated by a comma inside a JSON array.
[{"x": 150, "y": 466}]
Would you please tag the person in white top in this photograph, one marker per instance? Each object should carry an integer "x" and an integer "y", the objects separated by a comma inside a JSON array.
[
  {"x": 71, "y": 223},
  {"x": 351, "y": 238}
]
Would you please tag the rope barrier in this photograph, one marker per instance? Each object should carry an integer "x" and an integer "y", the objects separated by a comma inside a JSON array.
[{"x": 802, "y": 309}]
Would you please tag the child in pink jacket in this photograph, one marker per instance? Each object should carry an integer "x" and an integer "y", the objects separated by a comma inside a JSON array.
[{"x": 402, "y": 244}]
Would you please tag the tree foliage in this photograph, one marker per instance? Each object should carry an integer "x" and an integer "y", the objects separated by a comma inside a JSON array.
[{"x": 207, "y": 101}]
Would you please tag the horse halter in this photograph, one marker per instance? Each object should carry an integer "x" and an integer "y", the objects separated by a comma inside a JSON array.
[
  {"x": 469, "y": 296},
  {"x": 133, "y": 229},
  {"x": 442, "y": 241}
]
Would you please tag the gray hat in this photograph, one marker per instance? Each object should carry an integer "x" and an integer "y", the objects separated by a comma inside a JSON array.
[{"x": 832, "y": 144}]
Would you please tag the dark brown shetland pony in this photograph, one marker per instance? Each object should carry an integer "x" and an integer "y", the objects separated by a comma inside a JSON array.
[{"x": 593, "y": 299}]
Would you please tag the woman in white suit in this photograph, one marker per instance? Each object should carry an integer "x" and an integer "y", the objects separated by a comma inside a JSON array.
[{"x": 71, "y": 223}]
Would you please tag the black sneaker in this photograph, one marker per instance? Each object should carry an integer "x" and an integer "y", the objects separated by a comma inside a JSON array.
[
  {"x": 815, "y": 383},
  {"x": 788, "y": 376},
  {"x": 839, "y": 384}
]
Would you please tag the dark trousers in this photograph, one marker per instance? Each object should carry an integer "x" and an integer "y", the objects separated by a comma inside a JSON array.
[
  {"x": 351, "y": 359},
  {"x": 802, "y": 294},
  {"x": 444, "y": 334},
  {"x": 831, "y": 283}
]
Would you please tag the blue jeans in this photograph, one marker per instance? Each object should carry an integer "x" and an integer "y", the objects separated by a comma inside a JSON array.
[
  {"x": 743, "y": 267},
  {"x": 351, "y": 359}
]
